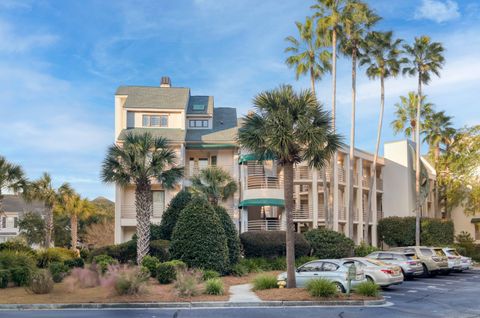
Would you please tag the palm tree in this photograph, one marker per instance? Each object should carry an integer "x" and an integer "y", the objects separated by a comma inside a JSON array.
[
  {"x": 291, "y": 127},
  {"x": 438, "y": 130},
  {"x": 141, "y": 159},
  {"x": 42, "y": 190},
  {"x": 359, "y": 20},
  {"x": 406, "y": 114},
  {"x": 382, "y": 58},
  {"x": 12, "y": 178},
  {"x": 309, "y": 56},
  {"x": 71, "y": 204},
  {"x": 214, "y": 183},
  {"x": 426, "y": 58}
]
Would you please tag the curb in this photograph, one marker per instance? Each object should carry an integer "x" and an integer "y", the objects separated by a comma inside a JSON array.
[{"x": 193, "y": 305}]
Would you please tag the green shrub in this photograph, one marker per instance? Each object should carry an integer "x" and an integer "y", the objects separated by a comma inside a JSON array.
[
  {"x": 166, "y": 273},
  {"x": 187, "y": 282},
  {"x": 364, "y": 249},
  {"x": 214, "y": 286},
  {"x": 103, "y": 261},
  {"x": 209, "y": 274},
  {"x": 159, "y": 249},
  {"x": 76, "y": 262},
  {"x": 277, "y": 264},
  {"x": 367, "y": 288},
  {"x": 271, "y": 244},
  {"x": 259, "y": 264},
  {"x": 16, "y": 246},
  {"x": 131, "y": 281},
  {"x": 58, "y": 271},
  {"x": 53, "y": 254},
  {"x": 321, "y": 288},
  {"x": 233, "y": 240},
  {"x": 4, "y": 274},
  {"x": 250, "y": 265},
  {"x": 329, "y": 244},
  {"x": 304, "y": 259},
  {"x": 178, "y": 264},
  {"x": 151, "y": 263},
  {"x": 400, "y": 231},
  {"x": 21, "y": 275},
  {"x": 264, "y": 281},
  {"x": 41, "y": 282},
  {"x": 199, "y": 239},
  {"x": 239, "y": 270},
  {"x": 171, "y": 215}
]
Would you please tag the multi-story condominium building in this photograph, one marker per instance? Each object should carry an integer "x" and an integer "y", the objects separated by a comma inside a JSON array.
[
  {"x": 204, "y": 135},
  {"x": 14, "y": 208}
]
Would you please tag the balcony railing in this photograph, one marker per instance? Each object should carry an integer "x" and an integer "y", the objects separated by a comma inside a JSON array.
[
  {"x": 129, "y": 211},
  {"x": 304, "y": 212},
  {"x": 365, "y": 181},
  {"x": 379, "y": 184},
  {"x": 379, "y": 215},
  {"x": 356, "y": 214},
  {"x": 342, "y": 213},
  {"x": 265, "y": 225},
  {"x": 341, "y": 175},
  {"x": 264, "y": 182},
  {"x": 302, "y": 173},
  {"x": 194, "y": 170}
]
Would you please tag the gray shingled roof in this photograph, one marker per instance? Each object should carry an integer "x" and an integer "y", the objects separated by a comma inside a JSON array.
[
  {"x": 155, "y": 97},
  {"x": 204, "y": 100},
  {"x": 224, "y": 128},
  {"x": 15, "y": 203},
  {"x": 172, "y": 134}
]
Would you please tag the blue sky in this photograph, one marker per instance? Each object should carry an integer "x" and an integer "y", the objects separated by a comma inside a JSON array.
[{"x": 61, "y": 61}]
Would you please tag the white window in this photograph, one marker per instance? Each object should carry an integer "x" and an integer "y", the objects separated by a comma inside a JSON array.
[
  {"x": 203, "y": 123},
  {"x": 155, "y": 120},
  {"x": 158, "y": 203}
]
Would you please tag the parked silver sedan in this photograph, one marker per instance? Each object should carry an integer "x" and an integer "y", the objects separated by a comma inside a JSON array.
[
  {"x": 335, "y": 270},
  {"x": 381, "y": 273},
  {"x": 457, "y": 262},
  {"x": 408, "y": 262}
]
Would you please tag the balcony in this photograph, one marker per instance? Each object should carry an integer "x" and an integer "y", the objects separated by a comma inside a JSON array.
[
  {"x": 302, "y": 173},
  {"x": 380, "y": 184},
  {"x": 265, "y": 225},
  {"x": 304, "y": 212},
  {"x": 356, "y": 214},
  {"x": 129, "y": 211},
  {"x": 264, "y": 182},
  {"x": 321, "y": 211},
  {"x": 341, "y": 175},
  {"x": 191, "y": 171},
  {"x": 342, "y": 213},
  {"x": 365, "y": 181},
  {"x": 379, "y": 215}
]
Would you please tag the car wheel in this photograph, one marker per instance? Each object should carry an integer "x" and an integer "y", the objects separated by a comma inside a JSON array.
[
  {"x": 340, "y": 288},
  {"x": 426, "y": 272},
  {"x": 370, "y": 279}
]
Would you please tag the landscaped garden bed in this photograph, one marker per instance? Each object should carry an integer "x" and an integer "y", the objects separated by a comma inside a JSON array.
[{"x": 301, "y": 294}]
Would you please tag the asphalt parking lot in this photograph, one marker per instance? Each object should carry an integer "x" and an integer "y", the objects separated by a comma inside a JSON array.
[{"x": 453, "y": 296}]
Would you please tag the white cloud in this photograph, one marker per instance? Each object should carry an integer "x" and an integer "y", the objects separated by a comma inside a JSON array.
[
  {"x": 437, "y": 10},
  {"x": 13, "y": 42}
]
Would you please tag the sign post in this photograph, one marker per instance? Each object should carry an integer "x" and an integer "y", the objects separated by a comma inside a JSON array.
[{"x": 352, "y": 273}]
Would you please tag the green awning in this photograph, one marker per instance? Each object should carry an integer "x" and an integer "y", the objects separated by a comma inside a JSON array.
[
  {"x": 252, "y": 157},
  {"x": 262, "y": 202},
  {"x": 475, "y": 220},
  {"x": 209, "y": 146}
]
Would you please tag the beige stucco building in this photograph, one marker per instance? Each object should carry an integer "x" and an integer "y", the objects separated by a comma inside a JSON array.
[{"x": 204, "y": 135}]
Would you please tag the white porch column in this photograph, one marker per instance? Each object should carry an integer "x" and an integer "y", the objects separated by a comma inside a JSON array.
[
  {"x": 118, "y": 236},
  {"x": 244, "y": 220},
  {"x": 314, "y": 194},
  {"x": 347, "y": 195},
  {"x": 335, "y": 193},
  {"x": 360, "y": 199}
]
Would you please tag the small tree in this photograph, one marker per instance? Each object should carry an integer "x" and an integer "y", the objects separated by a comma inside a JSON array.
[
  {"x": 215, "y": 184},
  {"x": 199, "y": 239},
  {"x": 170, "y": 216},
  {"x": 99, "y": 234},
  {"x": 32, "y": 228},
  {"x": 233, "y": 241}
]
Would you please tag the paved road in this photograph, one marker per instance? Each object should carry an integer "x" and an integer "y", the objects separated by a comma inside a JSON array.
[{"x": 451, "y": 296}]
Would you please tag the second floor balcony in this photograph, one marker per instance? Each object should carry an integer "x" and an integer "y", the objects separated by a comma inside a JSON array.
[
  {"x": 192, "y": 170},
  {"x": 129, "y": 211}
]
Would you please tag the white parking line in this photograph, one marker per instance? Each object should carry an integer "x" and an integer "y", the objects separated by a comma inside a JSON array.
[{"x": 412, "y": 291}]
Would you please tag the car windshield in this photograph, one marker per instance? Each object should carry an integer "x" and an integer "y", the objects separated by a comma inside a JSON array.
[
  {"x": 439, "y": 252},
  {"x": 453, "y": 252},
  {"x": 411, "y": 256},
  {"x": 400, "y": 257}
]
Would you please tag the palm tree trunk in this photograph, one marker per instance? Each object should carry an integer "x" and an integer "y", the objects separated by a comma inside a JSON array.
[
  {"x": 74, "y": 231},
  {"x": 325, "y": 198},
  {"x": 334, "y": 100},
  {"x": 144, "y": 209},
  {"x": 312, "y": 81},
  {"x": 351, "y": 162},
  {"x": 373, "y": 172},
  {"x": 1, "y": 202},
  {"x": 435, "y": 200},
  {"x": 48, "y": 226},
  {"x": 417, "y": 163},
  {"x": 290, "y": 231}
]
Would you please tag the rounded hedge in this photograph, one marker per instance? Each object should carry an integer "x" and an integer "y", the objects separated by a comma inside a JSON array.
[
  {"x": 271, "y": 244},
  {"x": 127, "y": 252},
  {"x": 329, "y": 244},
  {"x": 198, "y": 239},
  {"x": 233, "y": 241},
  {"x": 171, "y": 215}
]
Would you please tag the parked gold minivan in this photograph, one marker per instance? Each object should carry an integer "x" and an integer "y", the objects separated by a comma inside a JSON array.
[{"x": 433, "y": 259}]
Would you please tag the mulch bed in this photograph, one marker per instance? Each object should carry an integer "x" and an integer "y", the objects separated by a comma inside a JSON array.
[{"x": 301, "y": 294}]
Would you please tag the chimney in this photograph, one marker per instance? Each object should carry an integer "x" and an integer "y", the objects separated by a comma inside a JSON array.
[{"x": 165, "y": 82}]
